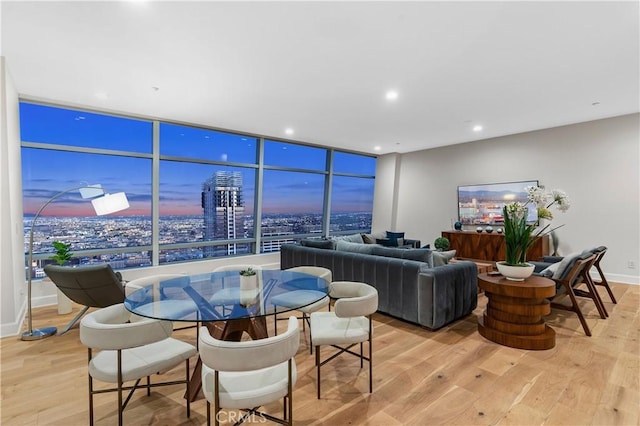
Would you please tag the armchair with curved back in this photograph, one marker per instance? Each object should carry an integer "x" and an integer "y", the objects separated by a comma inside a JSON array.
[
  {"x": 94, "y": 286},
  {"x": 568, "y": 274},
  {"x": 249, "y": 374},
  {"x": 230, "y": 295},
  {"x": 303, "y": 298},
  {"x": 347, "y": 325},
  {"x": 130, "y": 348},
  {"x": 599, "y": 251}
]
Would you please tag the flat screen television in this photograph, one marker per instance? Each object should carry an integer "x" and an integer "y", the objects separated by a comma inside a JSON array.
[{"x": 482, "y": 204}]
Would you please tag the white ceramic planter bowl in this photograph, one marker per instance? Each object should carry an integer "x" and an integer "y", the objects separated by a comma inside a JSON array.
[{"x": 515, "y": 273}]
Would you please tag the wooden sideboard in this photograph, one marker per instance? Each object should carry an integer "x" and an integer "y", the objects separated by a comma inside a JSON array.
[{"x": 485, "y": 246}]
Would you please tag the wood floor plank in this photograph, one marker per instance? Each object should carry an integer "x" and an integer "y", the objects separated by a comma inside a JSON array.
[{"x": 452, "y": 376}]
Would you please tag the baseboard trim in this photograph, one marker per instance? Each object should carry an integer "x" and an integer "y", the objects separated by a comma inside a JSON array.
[{"x": 618, "y": 278}]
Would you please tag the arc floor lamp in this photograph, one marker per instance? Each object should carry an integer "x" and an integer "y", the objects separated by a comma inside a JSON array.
[{"x": 102, "y": 204}]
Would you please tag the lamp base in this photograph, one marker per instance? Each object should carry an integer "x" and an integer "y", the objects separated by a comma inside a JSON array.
[{"x": 39, "y": 333}]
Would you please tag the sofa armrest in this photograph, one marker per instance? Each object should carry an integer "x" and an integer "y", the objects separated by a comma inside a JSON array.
[
  {"x": 447, "y": 293},
  {"x": 552, "y": 259}
]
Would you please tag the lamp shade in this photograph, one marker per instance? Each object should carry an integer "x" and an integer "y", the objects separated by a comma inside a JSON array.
[
  {"x": 91, "y": 191},
  {"x": 110, "y": 203}
]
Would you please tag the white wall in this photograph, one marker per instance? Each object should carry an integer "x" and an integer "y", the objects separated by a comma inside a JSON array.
[
  {"x": 596, "y": 163},
  {"x": 385, "y": 201},
  {"x": 12, "y": 288}
]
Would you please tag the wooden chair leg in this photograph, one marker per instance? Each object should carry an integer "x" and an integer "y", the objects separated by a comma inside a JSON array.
[
  {"x": 318, "y": 368},
  {"x": 596, "y": 297},
  {"x": 591, "y": 295},
  {"x": 370, "y": 355},
  {"x": 604, "y": 283},
  {"x": 576, "y": 309},
  {"x": 90, "y": 394}
]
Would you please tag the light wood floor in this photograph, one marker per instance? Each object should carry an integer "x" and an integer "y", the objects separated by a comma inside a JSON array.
[{"x": 451, "y": 376}]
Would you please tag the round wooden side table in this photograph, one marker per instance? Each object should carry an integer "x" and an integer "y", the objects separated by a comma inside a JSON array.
[{"x": 514, "y": 312}]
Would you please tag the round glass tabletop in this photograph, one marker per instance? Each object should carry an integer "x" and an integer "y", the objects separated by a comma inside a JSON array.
[{"x": 223, "y": 296}]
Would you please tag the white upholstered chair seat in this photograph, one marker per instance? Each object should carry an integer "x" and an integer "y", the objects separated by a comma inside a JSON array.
[
  {"x": 295, "y": 299},
  {"x": 230, "y": 295},
  {"x": 302, "y": 300},
  {"x": 328, "y": 329},
  {"x": 248, "y": 389},
  {"x": 226, "y": 296},
  {"x": 141, "y": 361}
]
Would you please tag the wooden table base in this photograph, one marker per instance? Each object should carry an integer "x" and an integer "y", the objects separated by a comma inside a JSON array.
[{"x": 514, "y": 313}]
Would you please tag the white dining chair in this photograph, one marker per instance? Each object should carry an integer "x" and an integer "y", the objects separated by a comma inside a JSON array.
[
  {"x": 230, "y": 295},
  {"x": 304, "y": 301},
  {"x": 130, "y": 348},
  {"x": 249, "y": 374},
  {"x": 347, "y": 325}
]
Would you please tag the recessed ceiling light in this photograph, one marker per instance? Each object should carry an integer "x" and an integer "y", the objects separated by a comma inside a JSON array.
[
  {"x": 377, "y": 148},
  {"x": 477, "y": 128},
  {"x": 391, "y": 95},
  {"x": 288, "y": 131}
]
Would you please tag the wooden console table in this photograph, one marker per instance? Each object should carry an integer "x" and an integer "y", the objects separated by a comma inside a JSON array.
[
  {"x": 491, "y": 247},
  {"x": 513, "y": 316},
  {"x": 482, "y": 265}
]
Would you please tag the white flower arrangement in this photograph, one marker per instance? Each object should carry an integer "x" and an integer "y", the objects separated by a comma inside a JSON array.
[{"x": 518, "y": 235}]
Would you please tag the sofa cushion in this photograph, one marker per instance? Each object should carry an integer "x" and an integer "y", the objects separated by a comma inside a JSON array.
[
  {"x": 420, "y": 255},
  {"x": 342, "y": 245},
  {"x": 354, "y": 238},
  {"x": 322, "y": 244},
  {"x": 443, "y": 257}
]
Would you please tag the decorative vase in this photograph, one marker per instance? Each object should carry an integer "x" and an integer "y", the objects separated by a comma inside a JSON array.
[
  {"x": 457, "y": 226},
  {"x": 479, "y": 229},
  {"x": 515, "y": 273},
  {"x": 488, "y": 229},
  {"x": 248, "y": 289}
]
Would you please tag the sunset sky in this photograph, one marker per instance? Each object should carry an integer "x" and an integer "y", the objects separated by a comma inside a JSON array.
[{"x": 47, "y": 173}]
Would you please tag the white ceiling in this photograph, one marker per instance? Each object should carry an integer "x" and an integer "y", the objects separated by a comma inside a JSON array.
[{"x": 323, "y": 68}]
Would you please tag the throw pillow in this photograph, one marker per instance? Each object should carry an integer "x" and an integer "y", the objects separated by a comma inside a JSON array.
[
  {"x": 321, "y": 244},
  {"x": 565, "y": 265},
  {"x": 342, "y": 245},
  {"x": 387, "y": 242},
  {"x": 550, "y": 270},
  {"x": 368, "y": 239},
  {"x": 443, "y": 257},
  {"x": 394, "y": 236}
]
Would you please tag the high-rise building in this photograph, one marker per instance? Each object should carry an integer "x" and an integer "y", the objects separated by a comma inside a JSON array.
[{"x": 223, "y": 207}]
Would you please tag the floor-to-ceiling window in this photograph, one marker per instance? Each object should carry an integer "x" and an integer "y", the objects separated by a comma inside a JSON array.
[{"x": 194, "y": 192}]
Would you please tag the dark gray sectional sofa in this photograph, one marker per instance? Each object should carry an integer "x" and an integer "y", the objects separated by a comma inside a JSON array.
[{"x": 411, "y": 290}]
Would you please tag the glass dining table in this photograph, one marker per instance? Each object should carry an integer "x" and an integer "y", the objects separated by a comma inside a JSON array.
[{"x": 226, "y": 303}]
